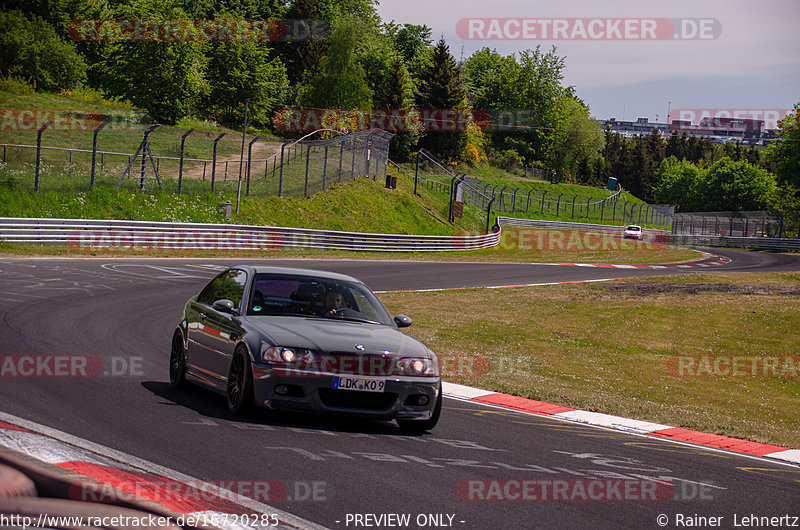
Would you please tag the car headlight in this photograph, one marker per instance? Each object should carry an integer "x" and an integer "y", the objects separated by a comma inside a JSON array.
[
  {"x": 419, "y": 366},
  {"x": 279, "y": 354}
]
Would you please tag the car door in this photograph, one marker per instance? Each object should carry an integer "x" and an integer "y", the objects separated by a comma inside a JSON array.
[{"x": 213, "y": 332}]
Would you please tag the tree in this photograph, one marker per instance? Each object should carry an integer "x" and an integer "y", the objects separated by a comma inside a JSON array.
[
  {"x": 578, "y": 140},
  {"x": 341, "y": 82},
  {"x": 723, "y": 186},
  {"x": 238, "y": 71},
  {"x": 737, "y": 186},
  {"x": 31, "y": 49},
  {"x": 442, "y": 89},
  {"x": 785, "y": 152},
  {"x": 398, "y": 94},
  {"x": 677, "y": 184}
]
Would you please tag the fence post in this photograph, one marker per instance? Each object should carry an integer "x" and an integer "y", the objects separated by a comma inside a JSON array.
[
  {"x": 558, "y": 204},
  {"x": 308, "y": 159},
  {"x": 602, "y": 209},
  {"x": 368, "y": 156},
  {"x": 341, "y": 159},
  {"x": 528, "y": 204},
  {"x": 324, "y": 167},
  {"x": 574, "y": 197},
  {"x": 614, "y": 212},
  {"x": 416, "y": 174},
  {"x": 39, "y": 154},
  {"x": 249, "y": 163},
  {"x": 214, "y": 160},
  {"x": 145, "y": 147},
  {"x": 280, "y": 176},
  {"x": 180, "y": 163},
  {"x": 353, "y": 166},
  {"x": 488, "y": 214},
  {"x": 544, "y": 194}
]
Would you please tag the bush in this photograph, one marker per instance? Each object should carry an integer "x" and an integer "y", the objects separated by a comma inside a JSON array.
[{"x": 31, "y": 49}]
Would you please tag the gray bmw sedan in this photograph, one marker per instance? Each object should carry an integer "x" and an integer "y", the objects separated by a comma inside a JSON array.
[{"x": 305, "y": 340}]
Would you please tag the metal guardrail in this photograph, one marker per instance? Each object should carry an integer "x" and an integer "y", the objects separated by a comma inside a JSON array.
[
  {"x": 760, "y": 243},
  {"x": 662, "y": 236},
  {"x": 105, "y": 233},
  {"x": 563, "y": 225}
]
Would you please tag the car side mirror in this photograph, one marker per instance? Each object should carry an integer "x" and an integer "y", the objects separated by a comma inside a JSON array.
[
  {"x": 226, "y": 306},
  {"x": 402, "y": 321}
]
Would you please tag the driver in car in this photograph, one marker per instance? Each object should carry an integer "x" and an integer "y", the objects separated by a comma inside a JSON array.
[{"x": 334, "y": 300}]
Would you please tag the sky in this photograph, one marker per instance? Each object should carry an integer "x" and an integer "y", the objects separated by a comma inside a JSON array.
[{"x": 748, "y": 59}]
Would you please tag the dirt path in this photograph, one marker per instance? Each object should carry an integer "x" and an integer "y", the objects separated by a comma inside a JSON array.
[{"x": 261, "y": 150}]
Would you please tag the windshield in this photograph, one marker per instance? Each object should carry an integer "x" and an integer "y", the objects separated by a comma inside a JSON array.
[{"x": 309, "y": 296}]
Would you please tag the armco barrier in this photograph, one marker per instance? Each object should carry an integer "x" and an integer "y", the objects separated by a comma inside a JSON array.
[
  {"x": 105, "y": 233},
  {"x": 657, "y": 236},
  {"x": 662, "y": 236},
  {"x": 761, "y": 243}
]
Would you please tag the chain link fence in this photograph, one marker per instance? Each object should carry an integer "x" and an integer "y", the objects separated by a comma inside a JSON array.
[
  {"x": 738, "y": 224},
  {"x": 433, "y": 175},
  {"x": 185, "y": 161}
]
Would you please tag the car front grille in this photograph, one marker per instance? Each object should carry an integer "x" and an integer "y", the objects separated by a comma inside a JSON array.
[
  {"x": 354, "y": 399},
  {"x": 359, "y": 364}
]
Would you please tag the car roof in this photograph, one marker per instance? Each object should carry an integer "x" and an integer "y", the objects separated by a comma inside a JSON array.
[
  {"x": 263, "y": 269},
  {"x": 633, "y": 227}
]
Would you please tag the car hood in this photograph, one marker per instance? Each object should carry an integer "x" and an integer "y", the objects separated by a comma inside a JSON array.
[{"x": 329, "y": 335}]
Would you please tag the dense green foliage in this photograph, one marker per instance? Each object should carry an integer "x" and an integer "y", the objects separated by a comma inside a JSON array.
[
  {"x": 723, "y": 186},
  {"x": 349, "y": 59}
]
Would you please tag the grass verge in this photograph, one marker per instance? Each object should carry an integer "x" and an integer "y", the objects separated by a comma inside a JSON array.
[{"x": 614, "y": 347}]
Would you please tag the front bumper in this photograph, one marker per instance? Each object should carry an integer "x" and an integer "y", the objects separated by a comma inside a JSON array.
[{"x": 314, "y": 392}]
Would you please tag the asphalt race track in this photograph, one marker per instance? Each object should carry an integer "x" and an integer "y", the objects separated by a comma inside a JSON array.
[{"x": 124, "y": 311}]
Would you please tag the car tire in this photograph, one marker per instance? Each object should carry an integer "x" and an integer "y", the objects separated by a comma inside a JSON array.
[
  {"x": 423, "y": 425},
  {"x": 177, "y": 362},
  {"x": 239, "y": 391}
]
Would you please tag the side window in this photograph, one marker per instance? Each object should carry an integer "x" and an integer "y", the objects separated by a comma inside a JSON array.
[{"x": 228, "y": 285}]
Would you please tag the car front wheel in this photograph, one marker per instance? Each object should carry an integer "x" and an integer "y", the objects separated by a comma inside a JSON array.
[
  {"x": 177, "y": 362},
  {"x": 423, "y": 425},
  {"x": 240, "y": 383}
]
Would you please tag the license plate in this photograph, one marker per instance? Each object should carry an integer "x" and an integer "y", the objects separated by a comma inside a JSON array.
[{"x": 359, "y": 383}]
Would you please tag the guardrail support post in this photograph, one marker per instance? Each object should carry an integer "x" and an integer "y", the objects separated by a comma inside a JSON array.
[{"x": 39, "y": 155}]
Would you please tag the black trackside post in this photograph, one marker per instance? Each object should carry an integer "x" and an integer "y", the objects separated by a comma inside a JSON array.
[
  {"x": 39, "y": 154},
  {"x": 94, "y": 152},
  {"x": 214, "y": 160}
]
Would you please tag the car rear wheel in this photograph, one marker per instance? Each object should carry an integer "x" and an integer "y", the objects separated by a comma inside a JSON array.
[
  {"x": 177, "y": 362},
  {"x": 240, "y": 383},
  {"x": 423, "y": 425}
]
